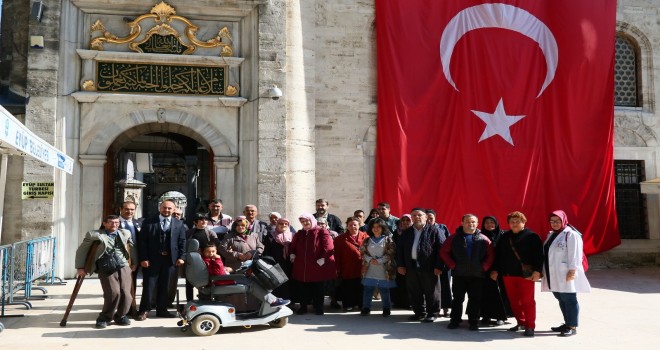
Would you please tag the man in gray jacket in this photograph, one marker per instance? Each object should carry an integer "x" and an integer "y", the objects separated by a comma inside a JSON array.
[{"x": 116, "y": 284}]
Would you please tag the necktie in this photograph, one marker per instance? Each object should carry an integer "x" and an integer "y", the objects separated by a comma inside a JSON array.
[
  {"x": 166, "y": 225},
  {"x": 129, "y": 227}
]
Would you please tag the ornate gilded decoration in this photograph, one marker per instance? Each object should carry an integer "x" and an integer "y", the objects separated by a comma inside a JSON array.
[
  {"x": 160, "y": 78},
  {"x": 88, "y": 85},
  {"x": 163, "y": 11},
  {"x": 162, "y": 39},
  {"x": 232, "y": 90},
  {"x": 164, "y": 15}
]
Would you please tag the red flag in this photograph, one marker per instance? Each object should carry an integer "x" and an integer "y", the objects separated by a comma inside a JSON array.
[{"x": 490, "y": 107}]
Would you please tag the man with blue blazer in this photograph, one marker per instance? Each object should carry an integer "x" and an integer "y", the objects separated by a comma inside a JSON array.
[
  {"x": 127, "y": 222},
  {"x": 161, "y": 247}
]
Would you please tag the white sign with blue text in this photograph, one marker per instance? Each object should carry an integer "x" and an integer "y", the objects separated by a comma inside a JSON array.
[{"x": 20, "y": 137}]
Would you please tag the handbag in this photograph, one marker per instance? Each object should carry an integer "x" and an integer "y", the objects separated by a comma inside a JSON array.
[
  {"x": 268, "y": 273},
  {"x": 527, "y": 269},
  {"x": 109, "y": 263}
]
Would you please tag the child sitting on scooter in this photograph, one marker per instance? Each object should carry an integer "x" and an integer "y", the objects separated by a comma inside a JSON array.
[
  {"x": 217, "y": 268},
  {"x": 214, "y": 263}
]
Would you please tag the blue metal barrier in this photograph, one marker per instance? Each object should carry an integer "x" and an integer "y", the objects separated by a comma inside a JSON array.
[
  {"x": 30, "y": 261},
  {"x": 4, "y": 264},
  {"x": 17, "y": 273},
  {"x": 38, "y": 263}
]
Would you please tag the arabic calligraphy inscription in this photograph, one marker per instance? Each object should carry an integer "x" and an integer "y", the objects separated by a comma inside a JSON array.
[{"x": 160, "y": 78}]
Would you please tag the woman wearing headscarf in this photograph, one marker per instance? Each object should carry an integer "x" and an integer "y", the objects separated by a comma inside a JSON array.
[
  {"x": 564, "y": 274},
  {"x": 349, "y": 264},
  {"x": 519, "y": 260},
  {"x": 494, "y": 303},
  {"x": 373, "y": 213},
  {"x": 378, "y": 265},
  {"x": 240, "y": 244},
  {"x": 312, "y": 254},
  {"x": 276, "y": 245}
]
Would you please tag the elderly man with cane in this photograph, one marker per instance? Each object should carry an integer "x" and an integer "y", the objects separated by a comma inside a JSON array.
[{"x": 113, "y": 264}]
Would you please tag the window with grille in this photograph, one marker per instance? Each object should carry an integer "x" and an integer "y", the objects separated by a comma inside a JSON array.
[
  {"x": 626, "y": 77},
  {"x": 630, "y": 201}
]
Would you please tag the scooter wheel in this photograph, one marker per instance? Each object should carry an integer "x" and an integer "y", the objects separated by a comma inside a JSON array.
[
  {"x": 279, "y": 323},
  {"x": 184, "y": 329},
  {"x": 204, "y": 325}
]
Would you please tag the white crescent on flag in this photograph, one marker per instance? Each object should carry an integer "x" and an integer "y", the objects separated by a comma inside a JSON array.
[{"x": 499, "y": 16}]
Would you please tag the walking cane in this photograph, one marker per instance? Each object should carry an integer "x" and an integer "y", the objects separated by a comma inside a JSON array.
[{"x": 79, "y": 281}]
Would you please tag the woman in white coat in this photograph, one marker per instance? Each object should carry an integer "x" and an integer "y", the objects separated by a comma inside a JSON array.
[{"x": 564, "y": 274}]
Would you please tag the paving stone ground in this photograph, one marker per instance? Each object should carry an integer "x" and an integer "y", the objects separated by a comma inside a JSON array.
[{"x": 620, "y": 313}]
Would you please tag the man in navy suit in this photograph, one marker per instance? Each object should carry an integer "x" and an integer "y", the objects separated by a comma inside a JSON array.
[
  {"x": 161, "y": 247},
  {"x": 127, "y": 222}
]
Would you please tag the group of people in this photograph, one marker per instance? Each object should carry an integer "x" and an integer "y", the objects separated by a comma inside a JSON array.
[
  {"x": 406, "y": 262},
  {"x": 497, "y": 270}
]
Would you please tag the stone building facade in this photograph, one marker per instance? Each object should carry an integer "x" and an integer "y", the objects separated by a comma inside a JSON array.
[{"x": 317, "y": 140}]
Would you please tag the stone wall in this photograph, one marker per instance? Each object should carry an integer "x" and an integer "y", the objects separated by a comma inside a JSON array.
[
  {"x": 345, "y": 103},
  {"x": 318, "y": 140},
  {"x": 636, "y": 130},
  {"x": 41, "y": 115}
]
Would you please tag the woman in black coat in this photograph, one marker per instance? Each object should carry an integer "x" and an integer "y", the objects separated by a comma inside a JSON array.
[
  {"x": 276, "y": 245},
  {"x": 519, "y": 262},
  {"x": 494, "y": 302}
]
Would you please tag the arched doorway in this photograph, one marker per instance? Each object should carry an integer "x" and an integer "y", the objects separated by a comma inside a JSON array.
[
  {"x": 146, "y": 166},
  {"x": 112, "y": 130}
]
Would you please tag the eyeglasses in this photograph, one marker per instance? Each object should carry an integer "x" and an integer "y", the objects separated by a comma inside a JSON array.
[{"x": 555, "y": 221}]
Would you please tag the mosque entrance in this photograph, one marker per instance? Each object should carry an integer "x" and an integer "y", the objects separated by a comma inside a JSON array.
[{"x": 151, "y": 167}]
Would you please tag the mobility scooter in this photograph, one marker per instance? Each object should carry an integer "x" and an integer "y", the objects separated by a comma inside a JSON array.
[{"x": 228, "y": 305}]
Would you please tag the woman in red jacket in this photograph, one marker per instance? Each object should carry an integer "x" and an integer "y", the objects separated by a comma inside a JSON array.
[
  {"x": 349, "y": 264},
  {"x": 312, "y": 254}
]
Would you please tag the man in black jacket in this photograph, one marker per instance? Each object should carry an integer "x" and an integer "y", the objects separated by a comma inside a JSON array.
[
  {"x": 127, "y": 222},
  {"x": 418, "y": 259},
  {"x": 161, "y": 247},
  {"x": 468, "y": 254},
  {"x": 334, "y": 223}
]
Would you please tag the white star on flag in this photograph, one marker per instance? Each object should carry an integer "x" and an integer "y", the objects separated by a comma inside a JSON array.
[{"x": 498, "y": 123}]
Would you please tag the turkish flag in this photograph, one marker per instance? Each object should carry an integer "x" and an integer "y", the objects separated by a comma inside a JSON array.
[{"x": 492, "y": 107}]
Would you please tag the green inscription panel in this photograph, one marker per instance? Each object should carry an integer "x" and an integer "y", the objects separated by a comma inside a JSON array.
[{"x": 160, "y": 78}]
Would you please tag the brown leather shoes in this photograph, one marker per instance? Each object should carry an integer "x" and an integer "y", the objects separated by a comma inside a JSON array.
[{"x": 142, "y": 316}]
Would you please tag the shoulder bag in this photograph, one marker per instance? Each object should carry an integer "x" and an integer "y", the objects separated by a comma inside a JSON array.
[{"x": 527, "y": 269}]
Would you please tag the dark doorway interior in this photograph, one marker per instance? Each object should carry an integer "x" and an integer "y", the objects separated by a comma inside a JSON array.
[{"x": 163, "y": 163}]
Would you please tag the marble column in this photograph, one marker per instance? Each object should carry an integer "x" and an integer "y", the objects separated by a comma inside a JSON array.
[
  {"x": 225, "y": 183},
  {"x": 91, "y": 192},
  {"x": 300, "y": 97}
]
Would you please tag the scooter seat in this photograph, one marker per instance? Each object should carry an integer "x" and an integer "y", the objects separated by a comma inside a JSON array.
[{"x": 223, "y": 290}]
